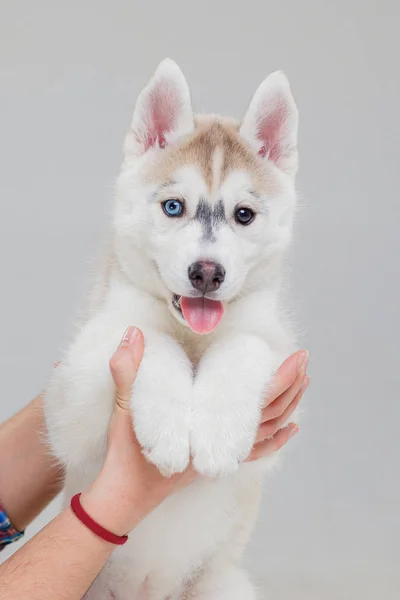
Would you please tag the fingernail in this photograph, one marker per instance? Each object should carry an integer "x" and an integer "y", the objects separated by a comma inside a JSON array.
[
  {"x": 305, "y": 384},
  {"x": 293, "y": 430},
  {"x": 129, "y": 337},
  {"x": 302, "y": 359}
]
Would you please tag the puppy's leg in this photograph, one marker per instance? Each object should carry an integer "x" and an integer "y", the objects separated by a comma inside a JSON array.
[
  {"x": 108, "y": 594},
  {"x": 227, "y": 399},
  {"x": 231, "y": 583},
  {"x": 114, "y": 584},
  {"x": 161, "y": 403}
]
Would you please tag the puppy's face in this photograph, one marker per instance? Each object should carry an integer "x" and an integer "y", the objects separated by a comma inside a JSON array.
[{"x": 206, "y": 202}]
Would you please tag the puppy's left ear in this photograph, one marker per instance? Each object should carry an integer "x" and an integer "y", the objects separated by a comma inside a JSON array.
[
  {"x": 271, "y": 123},
  {"x": 163, "y": 111}
]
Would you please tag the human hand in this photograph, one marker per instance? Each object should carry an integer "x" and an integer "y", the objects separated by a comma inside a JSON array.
[{"x": 288, "y": 386}]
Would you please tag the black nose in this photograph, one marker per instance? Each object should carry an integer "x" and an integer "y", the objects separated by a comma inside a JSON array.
[{"x": 206, "y": 276}]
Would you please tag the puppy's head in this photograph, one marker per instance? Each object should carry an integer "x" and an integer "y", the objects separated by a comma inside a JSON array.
[{"x": 204, "y": 203}]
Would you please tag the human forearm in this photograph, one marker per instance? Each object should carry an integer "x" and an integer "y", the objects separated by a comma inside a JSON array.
[
  {"x": 59, "y": 563},
  {"x": 29, "y": 477}
]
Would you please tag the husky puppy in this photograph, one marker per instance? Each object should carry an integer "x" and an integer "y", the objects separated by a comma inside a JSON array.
[{"x": 202, "y": 216}]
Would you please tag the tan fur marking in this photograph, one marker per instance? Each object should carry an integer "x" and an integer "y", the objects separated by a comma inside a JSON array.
[
  {"x": 199, "y": 149},
  {"x": 217, "y": 162}
]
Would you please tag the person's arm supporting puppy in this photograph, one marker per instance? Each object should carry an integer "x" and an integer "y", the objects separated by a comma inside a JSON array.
[
  {"x": 63, "y": 559},
  {"x": 29, "y": 477}
]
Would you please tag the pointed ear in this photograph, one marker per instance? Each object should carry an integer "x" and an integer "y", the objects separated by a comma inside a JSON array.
[
  {"x": 163, "y": 111},
  {"x": 271, "y": 122}
]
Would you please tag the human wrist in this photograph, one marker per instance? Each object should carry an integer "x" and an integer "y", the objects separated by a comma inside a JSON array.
[{"x": 107, "y": 504}]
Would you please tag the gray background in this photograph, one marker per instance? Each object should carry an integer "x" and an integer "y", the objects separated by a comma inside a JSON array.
[{"x": 70, "y": 73}]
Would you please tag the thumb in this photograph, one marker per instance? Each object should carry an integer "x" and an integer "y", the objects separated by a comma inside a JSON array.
[{"x": 124, "y": 365}]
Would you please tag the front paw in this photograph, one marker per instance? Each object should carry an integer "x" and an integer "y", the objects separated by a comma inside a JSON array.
[
  {"x": 161, "y": 420},
  {"x": 213, "y": 457},
  {"x": 169, "y": 455},
  {"x": 161, "y": 404},
  {"x": 164, "y": 438},
  {"x": 220, "y": 439}
]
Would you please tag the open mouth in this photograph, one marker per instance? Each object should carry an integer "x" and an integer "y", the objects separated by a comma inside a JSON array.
[
  {"x": 176, "y": 303},
  {"x": 201, "y": 314}
]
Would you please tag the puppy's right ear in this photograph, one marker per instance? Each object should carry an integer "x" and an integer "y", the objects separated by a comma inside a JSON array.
[{"x": 163, "y": 111}]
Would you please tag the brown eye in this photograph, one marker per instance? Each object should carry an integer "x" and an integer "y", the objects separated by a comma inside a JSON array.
[{"x": 244, "y": 216}]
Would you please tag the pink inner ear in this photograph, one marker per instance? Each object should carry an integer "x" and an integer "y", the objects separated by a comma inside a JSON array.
[
  {"x": 271, "y": 130},
  {"x": 162, "y": 114}
]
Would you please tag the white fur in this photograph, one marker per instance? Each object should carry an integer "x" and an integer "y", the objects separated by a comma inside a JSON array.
[{"x": 191, "y": 545}]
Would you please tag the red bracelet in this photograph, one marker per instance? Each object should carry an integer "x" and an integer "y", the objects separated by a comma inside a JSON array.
[{"x": 93, "y": 526}]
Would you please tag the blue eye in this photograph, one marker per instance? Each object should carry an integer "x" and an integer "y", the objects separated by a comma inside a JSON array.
[{"x": 173, "y": 208}]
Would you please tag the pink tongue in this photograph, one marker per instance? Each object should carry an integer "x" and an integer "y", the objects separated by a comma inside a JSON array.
[{"x": 202, "y": 315}]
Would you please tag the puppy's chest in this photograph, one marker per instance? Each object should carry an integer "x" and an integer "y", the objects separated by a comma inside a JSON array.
[{"x": 195, "y": 347}]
